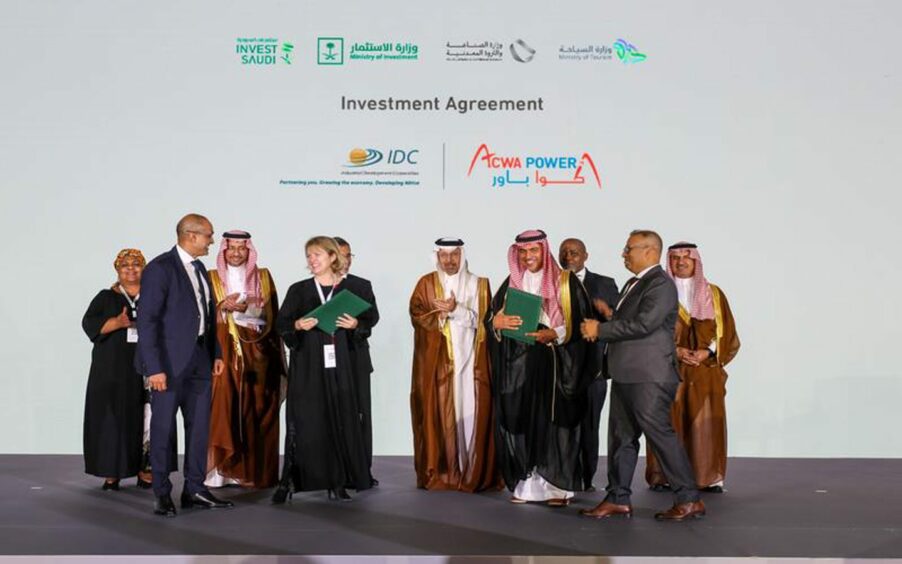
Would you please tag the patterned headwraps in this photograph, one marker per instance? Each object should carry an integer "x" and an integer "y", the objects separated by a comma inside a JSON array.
[
  {"x": 126, "y": 254},
  {"x": 551, "y": 274}
]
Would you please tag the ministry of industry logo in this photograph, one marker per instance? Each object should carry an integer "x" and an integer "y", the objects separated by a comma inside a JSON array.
[{"x": 521, "y": 52}]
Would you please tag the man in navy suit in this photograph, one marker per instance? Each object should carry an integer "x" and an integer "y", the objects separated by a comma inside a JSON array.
[
  {"x": 602, "y": 290},
  {"x": 177, "y": 351}
]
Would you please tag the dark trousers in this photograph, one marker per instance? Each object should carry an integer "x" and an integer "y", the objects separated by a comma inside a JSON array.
[
  {"x": 589, "y": 429},
  {"x": 189, "y": 392},
  {"x": 644, "y": 408}
]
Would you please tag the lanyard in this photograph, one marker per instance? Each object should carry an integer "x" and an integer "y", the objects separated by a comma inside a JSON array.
[
  {"x": 132, "y": 304},
  {"x": 322, "y": 298}
]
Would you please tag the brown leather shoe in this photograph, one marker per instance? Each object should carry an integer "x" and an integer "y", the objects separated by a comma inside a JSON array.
[
  {"x": 683, "y": 511},
  {"x": 558, "y": 502},
  {"x": 607, "y": 509}
]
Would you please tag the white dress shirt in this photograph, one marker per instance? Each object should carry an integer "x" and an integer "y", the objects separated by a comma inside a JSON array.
[{"x": 187, "y": 259}]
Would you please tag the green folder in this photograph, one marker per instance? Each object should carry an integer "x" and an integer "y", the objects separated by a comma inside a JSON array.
[
  {"x": 528, "y": 307},
  {"x": 344, "y": 302}
]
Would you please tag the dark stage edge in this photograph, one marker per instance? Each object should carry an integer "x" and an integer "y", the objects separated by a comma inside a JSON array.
[{"x": 774, "y": 508}]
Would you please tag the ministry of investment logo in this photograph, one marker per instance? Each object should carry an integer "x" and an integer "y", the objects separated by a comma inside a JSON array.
[
  {"x": 331, "y": 51},
  {"x": 263, "y": 51}
]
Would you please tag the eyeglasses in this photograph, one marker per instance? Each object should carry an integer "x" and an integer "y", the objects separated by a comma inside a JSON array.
[
  {"x": 627, "y": 249},
  {"x": 207, "y": 235}
]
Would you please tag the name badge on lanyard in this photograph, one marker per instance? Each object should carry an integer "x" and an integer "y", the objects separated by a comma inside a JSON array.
[
  {"x": 131, "y": 334},
  {"x": 328, "y": 350}
]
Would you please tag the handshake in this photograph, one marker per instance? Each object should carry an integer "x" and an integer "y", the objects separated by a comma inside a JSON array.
[{"x": 589, "y": 327}]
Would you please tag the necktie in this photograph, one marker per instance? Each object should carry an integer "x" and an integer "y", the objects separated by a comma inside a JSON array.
[
  {"x": 629, "y": 284},
  {"x": 626, "y": 288},
  {"x": 200, "y": 288}
]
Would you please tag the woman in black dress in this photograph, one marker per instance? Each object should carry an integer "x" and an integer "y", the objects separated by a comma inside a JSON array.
[
  {"x": 324, "y": 447},
  {"x": 114, "y": 404}
]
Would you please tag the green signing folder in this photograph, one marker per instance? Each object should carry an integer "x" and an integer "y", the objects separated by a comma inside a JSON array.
[
  {"x": 344, "y": 302},
  {"x": 528, "y": 307}
]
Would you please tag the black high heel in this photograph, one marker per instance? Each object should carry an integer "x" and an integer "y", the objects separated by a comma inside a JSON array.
[
  {"x": 339, "y": 494},
  {"x": 282, "y": 493}
]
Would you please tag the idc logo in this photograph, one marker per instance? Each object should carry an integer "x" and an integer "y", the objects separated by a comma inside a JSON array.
[{"x": 358, "y": 158}]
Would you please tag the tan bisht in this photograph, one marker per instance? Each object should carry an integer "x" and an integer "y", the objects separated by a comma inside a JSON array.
[
  {"x": 244, "y": 415},
  {"x": 450, "y": 398},
  {"x": 698, "y": 413}
]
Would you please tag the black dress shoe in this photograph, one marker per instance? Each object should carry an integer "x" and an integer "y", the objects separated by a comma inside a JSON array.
[
  {"x": 659, "y": 488},
  {"x": 373, "y": 482},
  {"x": 339, "y": 494},
  {"x": 144, "y": 485},
  {"x": 164, "y": 506},
  {"x": 590, "y": 488},
  {"x": 204, "y": 500},
  {"x": 114, "y": 486},
  {"x": 713, "y": 489}
]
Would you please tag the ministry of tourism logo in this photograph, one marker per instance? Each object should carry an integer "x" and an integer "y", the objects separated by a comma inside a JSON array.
[
  {"x": 363, "y": 157},
  {"x": 263, "y": 51},
  {"x": 521, "y": 52},
  {"x": 536, "y": 170},
  {"x": 627, "y": 52},
  {"x": 331, "y": 51},
  {"x": 588, "y": 52}
]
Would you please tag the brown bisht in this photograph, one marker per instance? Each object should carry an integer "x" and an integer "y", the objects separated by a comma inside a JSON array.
[
  {"x": 244, "y": 413},
  {"x": 432, "y": 401},
  {"x": 699, "y": 412}
]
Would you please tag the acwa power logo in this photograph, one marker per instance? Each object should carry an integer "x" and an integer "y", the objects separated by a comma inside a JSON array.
[{"x": 536, "y": 169}]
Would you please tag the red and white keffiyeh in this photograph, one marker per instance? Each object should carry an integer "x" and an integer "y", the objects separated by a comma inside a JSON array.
[{"x": 551, "y": 273}]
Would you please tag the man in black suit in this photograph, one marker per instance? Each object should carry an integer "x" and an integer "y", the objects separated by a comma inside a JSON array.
[
  {"x": 641, "y": 361},
  {"x": 602, "y": 292},
  {"x": 360, "y": 349},
  {"x": 177, "y": 352}
]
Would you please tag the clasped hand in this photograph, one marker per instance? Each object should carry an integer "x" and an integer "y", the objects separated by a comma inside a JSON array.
[
  {"x": 692, "y": 357},
  {"x": 230, "y": 303}
]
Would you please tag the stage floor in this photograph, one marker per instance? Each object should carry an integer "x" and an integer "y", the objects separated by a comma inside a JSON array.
[{"x": 822, "y": 508}]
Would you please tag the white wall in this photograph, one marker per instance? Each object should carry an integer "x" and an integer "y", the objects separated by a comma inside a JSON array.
[{"x": 765, "y": 131}]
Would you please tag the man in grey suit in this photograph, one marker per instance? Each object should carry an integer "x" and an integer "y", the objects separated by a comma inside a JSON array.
[{"x": 641, "y": 363}]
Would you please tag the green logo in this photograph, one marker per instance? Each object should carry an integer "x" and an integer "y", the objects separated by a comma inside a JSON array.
[
  {"x": 627, "y": 52},
  {"x": 263, "y": 51},
  {"x": 330, "y": 51},
  {"x": 287, "y": 48}
]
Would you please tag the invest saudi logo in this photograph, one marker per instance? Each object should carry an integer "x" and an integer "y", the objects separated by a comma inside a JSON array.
[{"x": 263, "y": 51}]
